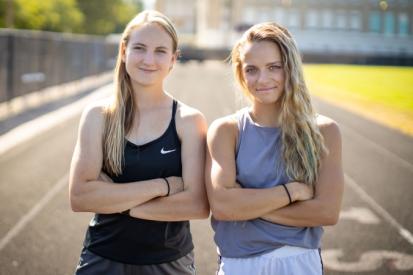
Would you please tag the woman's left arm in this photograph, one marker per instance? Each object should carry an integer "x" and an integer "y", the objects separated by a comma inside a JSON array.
[
  {"x": 192, "y": 202},
  {"x": 324, "y": 208}
]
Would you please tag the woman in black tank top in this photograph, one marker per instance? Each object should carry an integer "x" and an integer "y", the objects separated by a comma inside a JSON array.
[{"x": 138, "y": 163}]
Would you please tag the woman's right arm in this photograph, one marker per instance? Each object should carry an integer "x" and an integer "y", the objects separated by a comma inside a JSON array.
[
  {"x": 227, "y": 201},
  {"x": 90, "y": 194}
]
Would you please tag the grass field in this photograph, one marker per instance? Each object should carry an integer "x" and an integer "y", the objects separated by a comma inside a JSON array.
[{"x": 383, "y": 94}]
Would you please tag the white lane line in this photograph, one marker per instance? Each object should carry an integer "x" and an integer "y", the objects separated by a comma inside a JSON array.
[
  {"x": 388, "y": 154},
  {"x": 30, "y": 129},
  {"x": 359, "y": 214},
  {"x": 21, "y": 224},
  {"x": 379, "y": 210}
]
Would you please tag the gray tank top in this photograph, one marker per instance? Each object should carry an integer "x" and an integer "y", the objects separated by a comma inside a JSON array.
[{"x": 259, "y": 164}]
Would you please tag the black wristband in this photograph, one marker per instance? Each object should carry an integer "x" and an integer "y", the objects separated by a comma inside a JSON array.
[
  {"x": 288, "y": 193},
  {"x": 169, "y": 187},
  {"x": 126, "y": 212}
]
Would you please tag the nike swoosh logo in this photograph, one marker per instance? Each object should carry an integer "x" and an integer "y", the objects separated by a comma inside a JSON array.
[{"x": 163, "y": 152}]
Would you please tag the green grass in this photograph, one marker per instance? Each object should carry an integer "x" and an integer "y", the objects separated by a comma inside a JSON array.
[
  {"x": 390, "y": 87},
  {"x": 383, "y": 94}
]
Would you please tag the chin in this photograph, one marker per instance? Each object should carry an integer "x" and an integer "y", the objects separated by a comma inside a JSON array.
[
  {"x": 267, "y": 100},
  {"x": 145, "y": 81}
]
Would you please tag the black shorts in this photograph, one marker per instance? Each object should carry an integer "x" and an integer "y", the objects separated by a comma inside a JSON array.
[{"x": 92, "y": 264}]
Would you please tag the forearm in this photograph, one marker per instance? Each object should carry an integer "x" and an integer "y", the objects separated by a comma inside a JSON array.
[
  {"x": 185, "y": 205},
  {"x": 308, "y": 213},
  {"x": 245, "y": 203},
  {"x": 106, "y": 197}
]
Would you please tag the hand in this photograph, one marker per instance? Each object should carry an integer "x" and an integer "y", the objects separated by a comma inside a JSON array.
[
  {"x": 176, "y": 185},
  {"x": 103, "y": 177},
  {"x": 300, "y": 191},
  {"x": 236, "y": 185}
]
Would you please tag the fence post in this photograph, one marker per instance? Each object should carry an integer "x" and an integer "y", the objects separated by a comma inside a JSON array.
[{"x": 10, "y": 67}]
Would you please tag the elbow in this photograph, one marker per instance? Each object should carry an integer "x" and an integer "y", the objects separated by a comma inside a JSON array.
[
  {"x": 221, "y": 212},
  {"x": 203, "y": 213},
  {"x": 201, "y": 209},
  {"x": 75, "y": 205},
  {"x": 333, "y": 219},
  {"x": 330, "y": 218},
  {"x": 223, "y": 209},
  {"x": 76, "y": 201}
]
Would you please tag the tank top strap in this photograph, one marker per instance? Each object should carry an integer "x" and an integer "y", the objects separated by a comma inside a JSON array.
[
  {"x": 174, "y": 108},
  {"x": 241, "y": 116}
]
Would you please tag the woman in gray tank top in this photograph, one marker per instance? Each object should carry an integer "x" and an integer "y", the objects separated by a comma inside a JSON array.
[{"x": 273, "y": 172}]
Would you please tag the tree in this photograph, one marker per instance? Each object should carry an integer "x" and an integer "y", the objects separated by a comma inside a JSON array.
[
  {"x": 80, "y": 16},
  {"x": 106, "y": 16},
  {"x": 49, "y": 15}
]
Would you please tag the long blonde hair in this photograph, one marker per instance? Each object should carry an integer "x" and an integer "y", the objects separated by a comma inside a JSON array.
[
  {"x": 302, "y": 142},
  {"x": 119, "y": 114}
]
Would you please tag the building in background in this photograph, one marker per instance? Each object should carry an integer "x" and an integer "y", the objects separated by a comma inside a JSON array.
[
  {"x": 183, "y": 14},
  {"x": 320, "y": 27}
]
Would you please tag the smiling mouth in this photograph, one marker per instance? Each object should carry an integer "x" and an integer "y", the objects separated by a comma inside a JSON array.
[
  {"x": 147, "y": 70},
  {"x": 265, "y": 89}
]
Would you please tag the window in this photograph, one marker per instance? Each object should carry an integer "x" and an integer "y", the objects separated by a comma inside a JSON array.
[
  {"x": 374, "y": 22},
  {"x": 311, "y": 19},
  {"x": 389, "y": 26},
  {"x": 327, "y": 19},
  {"x": 403, "y": 24},
  {"x": 355, "y": 20},
  {"x": 293, "y": 19},
  {"x": 341, "y": 20},
  {"x": 279, "y": 15}
]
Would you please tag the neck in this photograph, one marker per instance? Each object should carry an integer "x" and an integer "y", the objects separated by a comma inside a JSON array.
[
  {"x": 266, "y": 114},
  {"x": 149, "y": 96}
]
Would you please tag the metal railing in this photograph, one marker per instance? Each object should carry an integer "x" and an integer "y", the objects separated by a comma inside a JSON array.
[{"x": 33, "y": 60}]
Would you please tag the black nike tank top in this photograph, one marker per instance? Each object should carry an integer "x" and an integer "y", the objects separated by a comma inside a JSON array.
[{"x": 136, "y": 241}]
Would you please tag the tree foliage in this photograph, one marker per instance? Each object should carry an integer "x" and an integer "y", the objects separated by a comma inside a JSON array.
[
  {"x": 105, "y": 16},
  {"x": 80, "y": 16}
]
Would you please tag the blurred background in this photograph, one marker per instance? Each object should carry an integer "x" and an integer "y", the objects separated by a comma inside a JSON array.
[{"x": 57, "y": 56}]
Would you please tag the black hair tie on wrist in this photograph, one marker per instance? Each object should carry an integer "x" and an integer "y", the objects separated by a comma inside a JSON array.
[
  {"x": 126, "y": 212},
  {"x": 169, "y": 187},
  {"x": 288, "y": 193}
]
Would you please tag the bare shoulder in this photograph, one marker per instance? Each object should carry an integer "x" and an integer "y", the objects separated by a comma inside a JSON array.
[
  {"x": 329, "y": 129},
  {"x": 226, "y": 123},
  {"x": 189, "y": 115},
  {"x": 93, "y": 117},
  {"x": 190, "y": 122},
  {"x": 95, "y": 110},
  {"x": 224, "y": 128}
]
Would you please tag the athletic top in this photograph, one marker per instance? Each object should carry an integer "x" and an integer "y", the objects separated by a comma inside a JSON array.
[
  {"x": 121, "y": 238},
  {"x": 259, "y": 164}
]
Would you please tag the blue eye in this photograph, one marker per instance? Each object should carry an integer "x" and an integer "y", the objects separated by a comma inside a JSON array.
[
  {"x": 275, "y": 67},
  {"x": 250, "y": 70}
]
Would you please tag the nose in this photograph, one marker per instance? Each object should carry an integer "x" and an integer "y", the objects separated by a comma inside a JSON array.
[
  {"x": 149, "y": 58},
  {"x": 263, "y": 77}
]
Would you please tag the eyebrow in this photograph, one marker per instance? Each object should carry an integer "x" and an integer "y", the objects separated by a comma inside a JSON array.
[
  {"x": 268, "y": 64},
  {"x": 138, "y": 44},
  {"x": 143, "y": 45},
  {"x": 275, "y": 63}
]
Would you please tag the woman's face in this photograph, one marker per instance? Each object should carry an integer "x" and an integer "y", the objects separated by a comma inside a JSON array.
[
  {"x": 263, "y": 72},
  {"x": 149, "y": 55}
]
